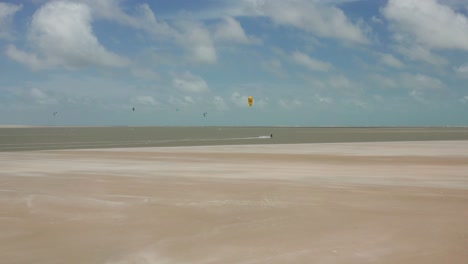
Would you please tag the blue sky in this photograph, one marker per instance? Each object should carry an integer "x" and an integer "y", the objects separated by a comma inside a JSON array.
[{"x": 306, "y": 62}]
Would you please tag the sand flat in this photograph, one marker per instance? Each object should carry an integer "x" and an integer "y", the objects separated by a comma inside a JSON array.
[{"x": 389, "y": 202}]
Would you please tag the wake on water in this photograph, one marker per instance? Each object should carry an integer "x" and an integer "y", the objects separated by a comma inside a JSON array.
[{"x": 82, "y": 144}]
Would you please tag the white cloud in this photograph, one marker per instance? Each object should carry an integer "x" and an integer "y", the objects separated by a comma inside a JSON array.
[
  {"x": 189, "y": 99},
  {"x": 261, "y": 103},
  {"x": 383, "y": 82},
  {"x": 231, "y": 31},
  {"x": 421, "y": 82},
  {"x": 358, "y": 103},
  {"x": 178, "y": 102},
  {"x": 145, "y": 73},
  {"x": 188, "y": 82},
  {"x": 378, "y": 98},
  {"x": 7, "y": 11},
  {"x": 317, "y": 18},
  {"x": 340, "y": 82},
  {"x": 421, "y": 53},
  {"x": 462, "y": 70},
  {"x": 31, "y": 60},
  {"x": 220, "y": 103},
  {"x": 191, "y": 35},
  {"x": 142, "y": 18},
  {"x": 61, "y": 35},
  {"x": 324, "y": 99},
  {"x": 310, "y": 63},
  {"x": 390, "y": 60},
  {"x": 418, "y": 95},
  {"x": 41, "y": 97},
  {"x": 376, "y": 20},
  {"x": 239, "y": 100},
  {"x": 457, "y": 4},
  {"x": 197, "y": 40},
  {"x": 144, "y": 100},
  {"x": 289, "y": 104},
  {"x": 312, "y": 81},
  {"x": 464, "y": 99},
  {"x": 183, "y": 101},
  {"x": 428, "y": 23},
  {"x": 188, "y": 34},
  {"x": 275, "y": 67}
]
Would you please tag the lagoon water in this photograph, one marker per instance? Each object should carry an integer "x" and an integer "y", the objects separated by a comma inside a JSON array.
[{"x": 42, "y": 138}]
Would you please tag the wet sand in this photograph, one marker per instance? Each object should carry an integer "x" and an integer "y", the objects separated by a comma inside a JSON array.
[{"x": 381, "y": 202}]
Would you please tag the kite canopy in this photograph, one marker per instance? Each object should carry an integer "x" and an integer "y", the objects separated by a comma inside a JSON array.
[{"x": 251, "y": 100}]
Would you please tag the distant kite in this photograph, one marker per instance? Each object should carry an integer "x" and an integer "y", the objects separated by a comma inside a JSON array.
[
  {"x": 55, "y": 113},
  {"x": 250, "y": 100},
  {"x": 204, "y": 114},
  {"x": 133, "y": 109}
]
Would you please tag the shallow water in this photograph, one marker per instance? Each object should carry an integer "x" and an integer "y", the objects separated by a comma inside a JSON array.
[{"x": 41, "y": 138}]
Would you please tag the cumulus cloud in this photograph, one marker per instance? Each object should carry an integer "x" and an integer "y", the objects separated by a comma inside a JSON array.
[
  {"x": 29, "y": 59},
  {"x": 382, "y": 81},
  {"x": 462, "y": 70},
  {"x": 41, "y": 97},
  {"x": 358, "y": 103},
  {"x": 230, "y": 30},
  {"x": 188, "y": 82},
  {"x": 421, "y": 82},
  {"x": 428, "y": 23},
  {"x": 464, "y": 99},
  {"x": 144, "y": 100},
  {"x": 220, "y": 103},
  {"x": 421, "y": 53},
  {"x": 418, "y": 95},
  {"x": 142, "y": 17},
  {"x": 320, "y": 19},
  {"x": 340, "y": 82},
  {"x": 145, "y": 73},
  {"x": 289, "y": 104},
  {"x": 376, "y": 20},
  {"x": 262, "y": 103},
  {"x": 309, "y": 62},
  {"x": 7, "y": 12},
  {"x": 390, "y": 60},
  {"x": 195, "y": 38},
  {"x": 189, "y": 99},
  {"x": 275, "y": 67},
  {"x": 323, "y": 99},
  {"x": 61, "y": 35},
  {"x": 239, "y": 100},
  {"x": 177, "y": 101}
]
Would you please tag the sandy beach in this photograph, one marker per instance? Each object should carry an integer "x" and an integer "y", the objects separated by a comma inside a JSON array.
[{"x": 375, "y": 202}]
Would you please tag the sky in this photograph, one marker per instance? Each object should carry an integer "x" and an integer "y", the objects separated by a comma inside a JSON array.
[{"x": 305, "y": 62}]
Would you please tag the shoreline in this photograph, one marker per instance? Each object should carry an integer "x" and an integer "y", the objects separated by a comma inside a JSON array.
[{"x": 221, "y": 126}]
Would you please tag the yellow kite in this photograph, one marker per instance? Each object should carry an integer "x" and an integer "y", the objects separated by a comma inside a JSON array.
[{"x": 251, "y": 100}]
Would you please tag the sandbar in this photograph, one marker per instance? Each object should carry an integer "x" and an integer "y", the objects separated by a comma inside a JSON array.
[{"x": 374, "y": 202}]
